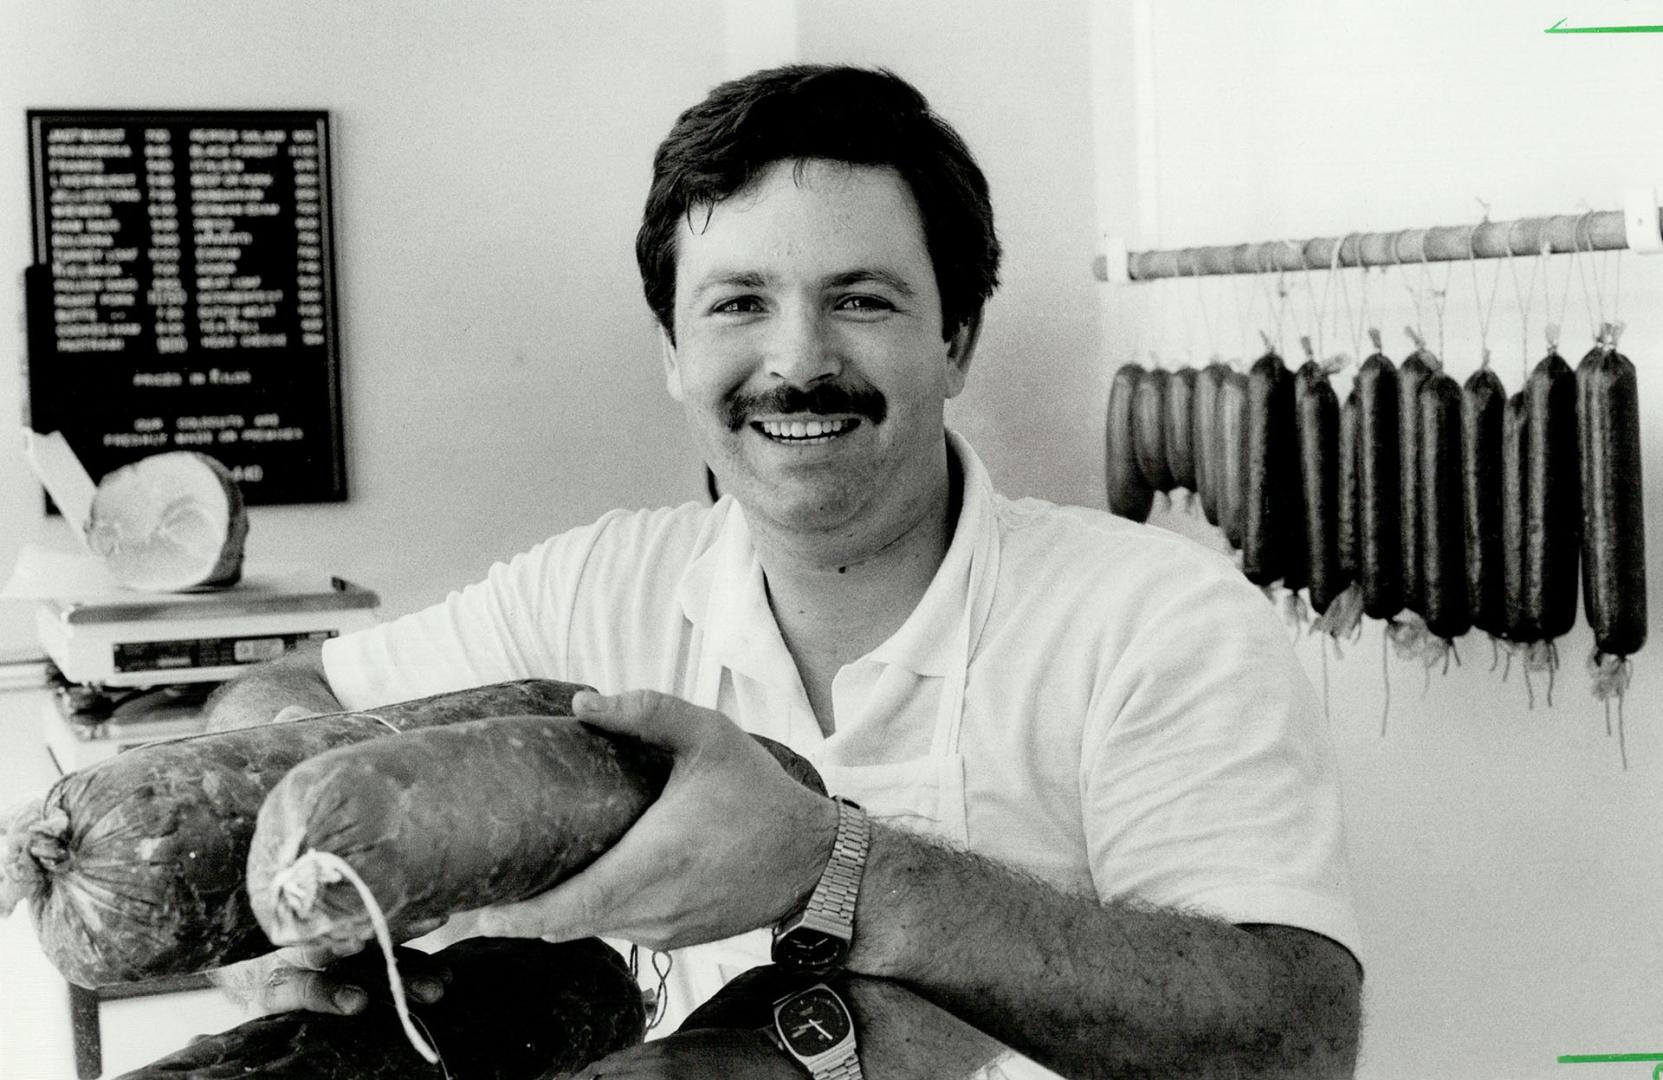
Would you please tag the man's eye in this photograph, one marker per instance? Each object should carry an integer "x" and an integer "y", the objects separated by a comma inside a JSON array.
[
  {"x": 737, "y": 305},
  {"x": 864, "y": 303}
]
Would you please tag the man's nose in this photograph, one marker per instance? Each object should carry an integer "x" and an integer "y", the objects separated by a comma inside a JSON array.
[{"x": 803, "y": 350}]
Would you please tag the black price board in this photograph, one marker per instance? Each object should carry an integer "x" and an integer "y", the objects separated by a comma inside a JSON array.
[{"x": 182, "y": 293}]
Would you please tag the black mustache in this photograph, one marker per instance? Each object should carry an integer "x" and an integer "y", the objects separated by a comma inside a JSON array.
[{"x": 827, "y": 399}]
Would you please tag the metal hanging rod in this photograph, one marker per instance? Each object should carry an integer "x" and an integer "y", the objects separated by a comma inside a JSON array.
[{"x": 1635, "y": 228}]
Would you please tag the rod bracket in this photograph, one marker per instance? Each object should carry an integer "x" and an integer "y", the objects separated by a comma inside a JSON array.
[
  {"x": 1640, "y": 221},
  {"x": 1117, "y": 268}
]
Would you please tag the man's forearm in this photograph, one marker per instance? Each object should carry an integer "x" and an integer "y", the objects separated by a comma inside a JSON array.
[
  {"x": 259, "y": 694},
  {"x": 902, "y": 1035},
  {"x": 1092, "y": 989}
]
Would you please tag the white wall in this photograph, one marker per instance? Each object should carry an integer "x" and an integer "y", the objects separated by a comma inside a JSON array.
[
  {"x": 1013, "y": 78},
  {"x": 1508, "y": 865},
  {"x": 502, "y": 377}
]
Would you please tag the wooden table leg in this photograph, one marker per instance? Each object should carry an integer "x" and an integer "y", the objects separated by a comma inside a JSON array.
[{"x": 83, "y": 1025}]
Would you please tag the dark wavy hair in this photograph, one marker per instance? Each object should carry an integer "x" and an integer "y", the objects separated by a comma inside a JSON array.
[{"x": 839, "y": 113}]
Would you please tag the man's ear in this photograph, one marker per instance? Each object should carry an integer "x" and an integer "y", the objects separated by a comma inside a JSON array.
[
  {"x": 672, "y": 370},
  {"x": 960, "y": 348}
]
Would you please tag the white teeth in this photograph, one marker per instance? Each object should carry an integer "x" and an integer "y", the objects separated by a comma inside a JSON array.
[{"x": 801, "y": 429}]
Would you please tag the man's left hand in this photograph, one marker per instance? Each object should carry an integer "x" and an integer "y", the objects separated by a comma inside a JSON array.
[{"x": 732, "y": 844}]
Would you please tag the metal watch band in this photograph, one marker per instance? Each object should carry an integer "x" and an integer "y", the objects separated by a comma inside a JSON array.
[
  {"x": 847, "y": 1067},
  {"x": 832, "y": 905}
]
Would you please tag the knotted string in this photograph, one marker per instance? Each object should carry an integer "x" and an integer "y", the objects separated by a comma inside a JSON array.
[
  {"x": 297, "y": 887},
  {"x": 1485, "y": 310},
  {"x": 1440, "y": 296},
  {"x": 1202, "y": 306},
  {"x": 1526, "y": 299},
  {"x": 658, "y": 999},
  {"x": 1556, "y": 322}
]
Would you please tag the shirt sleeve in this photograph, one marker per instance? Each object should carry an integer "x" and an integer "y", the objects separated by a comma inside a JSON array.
[
  {"x": 1013, "y": 1066},
  {"x": 514, "y": 624},
  {"x": 1209, "y": 777}
]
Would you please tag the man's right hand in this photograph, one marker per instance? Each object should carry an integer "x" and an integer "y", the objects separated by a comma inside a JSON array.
[
  {"x": 293, "y": 684},
  {"x": 317, "y": 979}
]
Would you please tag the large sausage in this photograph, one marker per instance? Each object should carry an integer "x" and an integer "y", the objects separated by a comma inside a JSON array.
[
  {"x": 133, "y": 867},
  {"x": 445, "y": 820},
  {"x": 513, "y": 1009}
]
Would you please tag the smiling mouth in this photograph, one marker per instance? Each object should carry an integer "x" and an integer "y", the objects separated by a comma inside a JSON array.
[{"x": 803, "y": 432}]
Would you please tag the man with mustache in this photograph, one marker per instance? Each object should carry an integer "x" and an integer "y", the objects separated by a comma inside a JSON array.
[{"x": 1091, "y": 807}]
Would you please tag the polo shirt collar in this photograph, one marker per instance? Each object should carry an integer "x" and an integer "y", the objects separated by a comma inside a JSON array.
[{"x": 722, "y": 592}]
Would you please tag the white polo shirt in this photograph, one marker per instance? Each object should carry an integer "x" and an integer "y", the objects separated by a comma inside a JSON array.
[{"x": 1109, "y": 706}]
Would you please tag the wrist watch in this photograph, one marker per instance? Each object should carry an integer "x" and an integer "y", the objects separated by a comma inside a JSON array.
[
  {"x": 815, "y": 938},
  {"x": 813, "y": 1026}
]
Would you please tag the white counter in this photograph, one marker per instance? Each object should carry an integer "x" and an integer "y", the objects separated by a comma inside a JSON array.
[{"x": 35, "y": 1032}]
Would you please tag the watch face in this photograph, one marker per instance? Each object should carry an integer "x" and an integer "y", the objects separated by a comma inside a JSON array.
[
  {"x": 813, "y": 1022},
  {"x": 804, "y": 949}
]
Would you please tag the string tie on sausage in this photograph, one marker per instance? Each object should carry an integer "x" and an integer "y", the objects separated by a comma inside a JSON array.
[
  {"x": 383, "y": 721},
  {"x": 1413, "y": 640},
  {"x": 49, "y": 840},
  {"x": 298, "y": 886},
  {"x": 23, "y": 870},
  {"x": 1344, "y": 614},
  {"x": 1610, "y": 677}
]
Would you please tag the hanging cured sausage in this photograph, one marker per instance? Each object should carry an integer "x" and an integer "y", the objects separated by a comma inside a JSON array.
[
  {"x": 1614, "y": 521},
  {"x": 1129, "y": 494},
  {"x": 1317, "y": 426}
]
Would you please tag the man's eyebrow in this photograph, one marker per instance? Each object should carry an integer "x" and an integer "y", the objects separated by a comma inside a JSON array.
[
  {"x": 871, "y": 275},
  {"x": 729, "y": 279}
]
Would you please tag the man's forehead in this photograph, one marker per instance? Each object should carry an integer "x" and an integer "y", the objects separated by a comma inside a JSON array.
[
  {"x": 822, "y": 175},
  {"x": 746, "y": 276},
  {"x": 829, "y": 219}
]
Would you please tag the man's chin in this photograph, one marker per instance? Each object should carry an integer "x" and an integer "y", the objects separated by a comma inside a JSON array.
[{"x": 794, "y": 505}]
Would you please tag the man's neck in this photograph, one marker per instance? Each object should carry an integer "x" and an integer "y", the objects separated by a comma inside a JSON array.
[{"x": 836, "y": 602}]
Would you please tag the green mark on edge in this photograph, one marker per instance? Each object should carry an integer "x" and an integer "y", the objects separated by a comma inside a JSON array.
[
  {"x": 1560, "y": 28},
  {"x": 1585, "y": 1059}
]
